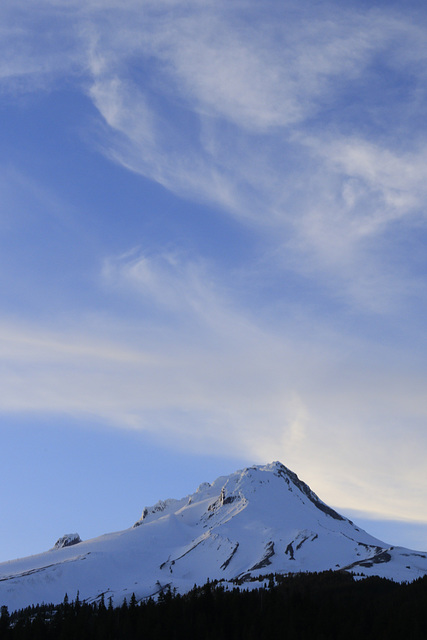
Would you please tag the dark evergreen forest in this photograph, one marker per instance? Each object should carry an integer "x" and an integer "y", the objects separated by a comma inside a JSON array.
[{"x": 315, "y": 606}]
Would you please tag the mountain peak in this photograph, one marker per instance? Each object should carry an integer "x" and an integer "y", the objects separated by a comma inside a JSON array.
[
  {"x": 261, "y": 519},
  {"x": 239, "y": 488}
]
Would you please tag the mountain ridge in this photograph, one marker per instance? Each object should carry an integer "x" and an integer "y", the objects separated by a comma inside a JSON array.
[{"x": 258, "y": 520}]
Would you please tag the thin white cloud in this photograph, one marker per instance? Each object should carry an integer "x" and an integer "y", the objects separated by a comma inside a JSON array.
[
  {"x": 193, "y": 97},
  {"x": 177, "y": 285},
  {"x": 240, "y": 396},
  {"x": 205, "y": 375},
  {"x": 37, "y": 47},
  {"x": 273, "y": 166},
  {"x": 399, "y": 179},
  {"x": 263, "y": 84}
]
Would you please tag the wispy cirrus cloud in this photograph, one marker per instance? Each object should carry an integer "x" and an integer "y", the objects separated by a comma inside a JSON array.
[
  {"x": 326, "y": 197},
  {"x": 207, "y": 65},
  {"x": 287, "y": 126},
  {"x": 205, "y": 374}
]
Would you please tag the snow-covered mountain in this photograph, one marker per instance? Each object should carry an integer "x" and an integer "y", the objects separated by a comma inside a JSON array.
[{"x": 257, "y": 521}]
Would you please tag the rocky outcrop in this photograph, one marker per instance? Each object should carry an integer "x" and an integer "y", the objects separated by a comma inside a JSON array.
[
  {"x": 160, "y": 506},
  {"x": 68, "y": 540}
]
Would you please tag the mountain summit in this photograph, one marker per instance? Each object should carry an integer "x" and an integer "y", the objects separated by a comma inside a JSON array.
[{"x": 260, "y": 520}]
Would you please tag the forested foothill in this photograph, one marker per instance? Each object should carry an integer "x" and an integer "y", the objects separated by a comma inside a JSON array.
[{"x": 329, "y": 605}]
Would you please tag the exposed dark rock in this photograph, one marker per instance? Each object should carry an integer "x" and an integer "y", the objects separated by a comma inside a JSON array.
[
  {"x": 68, "y": 540},
  {"x": 287, "y": 474},
  {"x": 299, "y": 545},
  {"x": 221, "y": 500},
  {"x": 265, "y": 560},
  {"x": 381, "y": 557},
  {"x": 230, "y": 557},
  {"x": 160, "y": 506},
  {"x": 290, "y": 550}
]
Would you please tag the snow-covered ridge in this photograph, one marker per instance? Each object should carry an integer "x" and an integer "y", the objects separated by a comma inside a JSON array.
[
  {"x": 234, "y": 488},
  {"x": 259, "y": 520},
  {"x": 289, "y": 476},
  {"x": 158, "y": 508}
]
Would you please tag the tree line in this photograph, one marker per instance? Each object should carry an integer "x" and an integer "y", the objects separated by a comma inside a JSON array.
[{"x": 313, "y": 606}]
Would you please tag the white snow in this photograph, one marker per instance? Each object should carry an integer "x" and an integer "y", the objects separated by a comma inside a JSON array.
[{"x": 254, "y": 522}]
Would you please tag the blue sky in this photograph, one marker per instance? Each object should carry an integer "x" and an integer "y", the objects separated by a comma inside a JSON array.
[{"x": 212, "y": 233}]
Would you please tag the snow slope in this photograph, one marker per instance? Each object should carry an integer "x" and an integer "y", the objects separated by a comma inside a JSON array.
[{"x": 256, "y": 521}]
